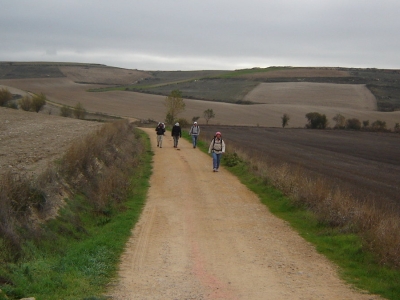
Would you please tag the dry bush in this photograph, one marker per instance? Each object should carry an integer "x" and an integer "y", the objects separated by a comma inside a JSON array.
[
  {"x": 18, "y": 197},
  {"x": 65, "y": 111},
  {"x": 353, "y": 124},
  {"x": 99, "y": 166},
  {"x": 25, "y": 103},
  {"x": 38, "y": 101},
  {"x": 333, "y": 205},
  {"x": 383, "y": 239},
  {"x": 5, "y": 96},
  {"x": 20, "y": 192},
  {"x": 378, "y": 125},
  {"x": 79, "y": 111},
  {"x": 396, "y": 128}
]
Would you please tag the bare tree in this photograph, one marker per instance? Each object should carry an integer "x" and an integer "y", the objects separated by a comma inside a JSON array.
[
  {"x": 285, "y": 120},
  {"x": 175, "y": 105},
  {"x": 79, "y": 111},
  {"x": 340, "y": 121},
  {"x": 208, "y": 114}
]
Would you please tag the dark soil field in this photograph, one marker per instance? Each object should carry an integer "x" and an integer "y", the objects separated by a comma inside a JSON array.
[
  {"x": 223, "y": 90},
  {"x": 367, "y": 163}
]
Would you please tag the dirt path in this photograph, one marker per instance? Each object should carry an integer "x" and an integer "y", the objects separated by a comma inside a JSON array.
[{"x": 204, "y": 235}]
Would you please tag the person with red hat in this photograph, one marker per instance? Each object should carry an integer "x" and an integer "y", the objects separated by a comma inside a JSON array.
[{"x": 217, "y": 147}]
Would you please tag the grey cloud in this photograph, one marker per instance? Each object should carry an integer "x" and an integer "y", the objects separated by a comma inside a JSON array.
[{"x": 203, "y": 34}]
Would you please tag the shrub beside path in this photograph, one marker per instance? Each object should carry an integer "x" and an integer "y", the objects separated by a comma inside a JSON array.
[{"x": 204, "y": 235}]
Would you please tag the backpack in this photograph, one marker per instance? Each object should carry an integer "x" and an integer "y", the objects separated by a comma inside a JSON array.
[{"x": 214, "y": 143}]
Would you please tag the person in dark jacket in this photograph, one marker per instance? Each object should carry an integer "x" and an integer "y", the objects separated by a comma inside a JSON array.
[
  {"x": 160, "y": 129},
  {"x": 176, "y": 133}
]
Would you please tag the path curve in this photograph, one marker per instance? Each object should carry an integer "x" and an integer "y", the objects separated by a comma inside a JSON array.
[{"x": 204, "y": 235}]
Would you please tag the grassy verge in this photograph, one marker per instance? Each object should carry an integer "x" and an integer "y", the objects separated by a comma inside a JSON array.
[
  {"x": 357, "y": 265},
  {"x": 78, "y": 252}
]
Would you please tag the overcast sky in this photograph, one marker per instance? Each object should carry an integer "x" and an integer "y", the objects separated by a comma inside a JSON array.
[{"x": 203, "y": 34}]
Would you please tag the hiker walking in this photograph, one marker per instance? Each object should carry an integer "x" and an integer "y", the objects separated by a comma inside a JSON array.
[
  {"x": 160, "y": 130},
  {"x": 217, "y": 147},
  {"x": 176, "y": 133},
  {"x": 194, "y": 132}
]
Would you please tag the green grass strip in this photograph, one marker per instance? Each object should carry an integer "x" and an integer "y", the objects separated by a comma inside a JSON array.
[{"x": 356, "y": 265}]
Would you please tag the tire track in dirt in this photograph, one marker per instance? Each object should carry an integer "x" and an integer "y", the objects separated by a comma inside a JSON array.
[
  {"x": 203, "y": 235},
  {"x": 143, "y": 239}
]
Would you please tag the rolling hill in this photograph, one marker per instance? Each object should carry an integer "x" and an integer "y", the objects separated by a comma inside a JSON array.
[{"x": 251, "y": 97}]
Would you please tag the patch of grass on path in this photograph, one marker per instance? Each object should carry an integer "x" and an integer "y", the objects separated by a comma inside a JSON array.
[{"x": 356, "y": 265}]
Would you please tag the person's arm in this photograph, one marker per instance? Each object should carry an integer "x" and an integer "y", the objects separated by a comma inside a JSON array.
[{"x": 223, "y": 146}]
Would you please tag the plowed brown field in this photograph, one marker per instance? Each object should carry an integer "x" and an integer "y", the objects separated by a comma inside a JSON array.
[
  {"x": 342, "y": 96},
  {"x": 367, "y": 163},
  {"x": 29, "y": 142},
  {"x": 104, "y": 75}
]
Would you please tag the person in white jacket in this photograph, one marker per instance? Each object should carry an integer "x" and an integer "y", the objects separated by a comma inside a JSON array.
[
  {"x": 217, "y": 147},
  {"x": 194, "y": 132}
]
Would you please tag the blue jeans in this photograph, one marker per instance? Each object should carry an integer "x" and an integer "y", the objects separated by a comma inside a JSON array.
[
  {"x": 216, "y": 160},
  {"x": 194, "y": 140}
]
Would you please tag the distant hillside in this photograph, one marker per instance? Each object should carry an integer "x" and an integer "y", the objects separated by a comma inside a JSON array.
[
  {"x": 211, "y": 85},
  {"x": 233, "y": 86}
]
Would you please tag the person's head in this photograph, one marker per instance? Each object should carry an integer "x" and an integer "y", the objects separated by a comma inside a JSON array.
[
  {"x": 176, "y": 124},
  {"x": 218, "y": 134},
  {"x": 195, "y": 123}
]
